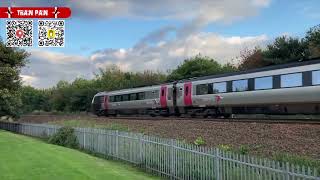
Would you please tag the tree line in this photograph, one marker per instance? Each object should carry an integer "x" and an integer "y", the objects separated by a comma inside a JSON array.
[{"x": 16, "y": 99}]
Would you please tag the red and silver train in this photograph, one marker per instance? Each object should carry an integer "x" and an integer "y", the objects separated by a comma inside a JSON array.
[{"x": 282, "y": 89}]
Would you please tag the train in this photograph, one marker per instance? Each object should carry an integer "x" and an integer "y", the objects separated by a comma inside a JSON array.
[{"x": 292, "y": 88}]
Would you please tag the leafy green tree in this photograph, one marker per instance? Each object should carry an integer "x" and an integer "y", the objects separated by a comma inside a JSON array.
[
  {"x": 112, "y": 78},
  {"x": 313, "y": 39},
  {"x": 35, "y": 99},
  {"x": 199, "y": 66},
  {"x": 11, "y": 62},
  {"x": 286, "y": 49}
]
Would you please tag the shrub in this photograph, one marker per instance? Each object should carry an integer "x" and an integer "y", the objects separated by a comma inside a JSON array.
[
  {"x": 65, "y": 137},
  {"x": 243, "y": 149},
  {"x": 224, "y": 147},
  {"x": 199, "y": 141}
]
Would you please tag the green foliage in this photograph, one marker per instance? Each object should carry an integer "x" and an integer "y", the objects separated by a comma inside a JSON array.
[
  {"x": 34, "y": 99},
  {"x": 225, "y": 147},
  {"x": 286, "y": 49},
  {"x": 11, "y": 62},
  {"x": 313, "y": 39},
  {"x": 65, "y": 137},
  {"x": 199, "y": 141},
  {"x": 112, "y": 78},
  {"x": 199, "y": 66},
  {"x": 243, "y": 149},
  {"x": 299, "y": 160},
  {"x": 9, "y": 103}
]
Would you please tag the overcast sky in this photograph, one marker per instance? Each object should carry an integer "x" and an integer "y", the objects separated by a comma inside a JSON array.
[{"x": 159, "y": 34}]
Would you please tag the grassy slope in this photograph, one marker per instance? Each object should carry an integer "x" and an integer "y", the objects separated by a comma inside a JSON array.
[{"x": 27, "y": 158}]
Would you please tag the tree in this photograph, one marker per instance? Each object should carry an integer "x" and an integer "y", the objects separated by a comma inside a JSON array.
[
  {"x": 199, "y": 66},
  {"x": 11, "y": 62},
  {"x": 313, "y": 39},
  {"x": 286, "y": 49},
  {"x": 34, "y": 99},
  {"x": 251, "y": 59}
]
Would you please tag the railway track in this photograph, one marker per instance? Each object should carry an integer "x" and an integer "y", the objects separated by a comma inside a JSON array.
[
  {"x": 238, "y": 119},
  {"x": 266, "y": 120}
]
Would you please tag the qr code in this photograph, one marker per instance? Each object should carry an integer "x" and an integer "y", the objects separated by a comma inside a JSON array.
[
  {"x": 19, "y": 33},
  {"x": 51, "y": 33}
]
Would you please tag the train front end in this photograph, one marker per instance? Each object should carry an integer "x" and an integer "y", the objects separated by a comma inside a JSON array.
[{"x": 98, "y": 104}]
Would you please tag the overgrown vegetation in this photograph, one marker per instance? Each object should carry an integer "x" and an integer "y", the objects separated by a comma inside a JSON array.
[{"x": 65, "y": 137}]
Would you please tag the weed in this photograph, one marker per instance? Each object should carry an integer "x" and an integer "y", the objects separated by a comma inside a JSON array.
[{"x": 199, "y": 141}]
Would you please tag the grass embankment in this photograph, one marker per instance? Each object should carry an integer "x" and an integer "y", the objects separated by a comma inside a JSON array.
[{"x": 27, "y": 158}]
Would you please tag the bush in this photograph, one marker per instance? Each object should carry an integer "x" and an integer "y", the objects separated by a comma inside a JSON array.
[
  {"x": 224, "y": 147},
  {"x": 243, "y": 149},
  {"x": 65, "y": 137},
  {"x": 199, "y": 141}
]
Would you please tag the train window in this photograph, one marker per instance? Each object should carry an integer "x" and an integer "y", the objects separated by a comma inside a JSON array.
[
  {"x": 141, "y": 96},
  {"x": 133, "y": 97},
  {"x": 118, "y": 98},
  {"x": 125, "y": 97},
  {"x": 97, "y": 100},
  {"x": 170, "y": 93},
  {"x": 111, "y": 99},
  {"x": 263, "y": 83},
  {"x": 220, "y": 87},
  {"x": 291, "y": 80},
  {"x": 202, "y": 89},
  {"x": 315, "y": 77},
  {"x": 240, "y": 85},
  {"x": 156, "y": 94}
]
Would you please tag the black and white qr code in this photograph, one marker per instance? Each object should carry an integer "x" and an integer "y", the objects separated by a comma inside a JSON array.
[
  {"x": 51, "y": 33},
  {"x": 19, "y": 33}
]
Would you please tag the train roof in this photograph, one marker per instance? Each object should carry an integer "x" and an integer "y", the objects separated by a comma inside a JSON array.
[{"x": 267, "y": 68}]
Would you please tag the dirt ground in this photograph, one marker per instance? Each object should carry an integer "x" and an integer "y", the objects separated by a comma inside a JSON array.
[{"x": 261, "y": 138}]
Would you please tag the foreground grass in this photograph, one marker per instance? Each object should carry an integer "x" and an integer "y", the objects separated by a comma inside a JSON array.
[
  {"x": 27, "y": 158},
  {"x": 91, "y": 124}
]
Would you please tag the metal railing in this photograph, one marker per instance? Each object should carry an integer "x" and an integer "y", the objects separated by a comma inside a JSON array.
[{"x": 171, "y": 158}]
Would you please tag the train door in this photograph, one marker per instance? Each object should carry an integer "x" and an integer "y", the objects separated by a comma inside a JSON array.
[
  {"x": 105, "y": 105},
  {"x": 174, "y": 99},
  {"x": 187, "y": 94},
  {"x": 163, "y": 96}
]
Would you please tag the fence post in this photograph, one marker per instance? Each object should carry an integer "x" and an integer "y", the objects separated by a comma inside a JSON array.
[
  {"x": 172, "y": 159},
  {"x": 287, "y": 171},
  {"x": 141, "y": 149},
  {"x": 217, "y": 163},
  {"x": 84, "y": 138},
  {"x": 117, "y": 143}
]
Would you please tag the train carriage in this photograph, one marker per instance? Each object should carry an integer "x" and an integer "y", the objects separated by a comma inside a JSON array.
[{"x": 282, "y": 89}]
